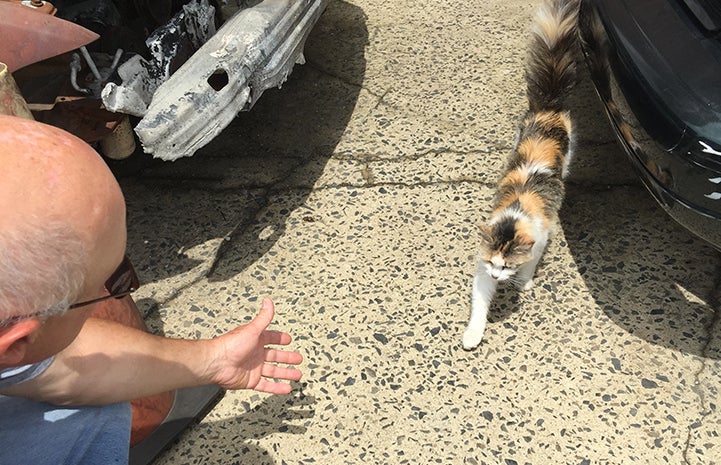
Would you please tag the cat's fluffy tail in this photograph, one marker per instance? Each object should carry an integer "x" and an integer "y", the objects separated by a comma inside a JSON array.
[{"x": 551, "y": 65}]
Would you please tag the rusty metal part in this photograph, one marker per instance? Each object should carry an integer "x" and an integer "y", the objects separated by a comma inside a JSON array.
[
  {"x": 47, "y": 89},
  {"x": 29, "y": 36},
  {"x": 36, "y": 5},
  {"x": 40, "y": 6},
  {"x": 11, "y": 101},
  {"x": 84, "y": 117}
]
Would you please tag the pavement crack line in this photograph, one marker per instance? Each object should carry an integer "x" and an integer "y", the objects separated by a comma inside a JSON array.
[
  {"x": 346, "y": 156},
  {"x": 267, "y": 191},
  {"x": 312, "y": 64},
  {"x": 349, "y": 185},
  {"x": 379, "y": 97},
  {"x": 713, "y": 326}
]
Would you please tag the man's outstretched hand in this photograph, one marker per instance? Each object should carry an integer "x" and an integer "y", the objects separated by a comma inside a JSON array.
[{"x": 242, "y": 360}]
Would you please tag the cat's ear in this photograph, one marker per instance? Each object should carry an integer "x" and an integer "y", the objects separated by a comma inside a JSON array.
[
  {"x": 523, "y": 244},
  {"x": 486, "y": 233}
]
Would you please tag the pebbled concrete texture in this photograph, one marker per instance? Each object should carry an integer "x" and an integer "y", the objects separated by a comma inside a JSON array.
[{"x": 351, "y": 196}]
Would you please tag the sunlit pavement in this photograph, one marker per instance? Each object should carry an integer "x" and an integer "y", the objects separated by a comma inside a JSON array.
[{"x": 352, "y": 196}]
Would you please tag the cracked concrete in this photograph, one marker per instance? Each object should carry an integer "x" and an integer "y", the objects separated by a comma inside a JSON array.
[{"x": 352, "y": 196}]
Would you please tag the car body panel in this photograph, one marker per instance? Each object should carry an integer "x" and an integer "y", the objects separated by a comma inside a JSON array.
[
  {"x": 656, "y": 70},
  {"x": 30, "y": 36}
]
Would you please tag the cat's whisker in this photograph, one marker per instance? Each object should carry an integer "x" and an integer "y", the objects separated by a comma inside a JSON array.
[{"x": 516, "y": 281}]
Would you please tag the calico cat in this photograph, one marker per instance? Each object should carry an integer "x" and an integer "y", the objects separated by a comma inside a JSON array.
[{"x": 531, "y": 189}]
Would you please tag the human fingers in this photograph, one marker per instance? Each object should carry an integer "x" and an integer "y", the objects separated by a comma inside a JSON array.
[
  {"x": 265, "y": 316},
  {"x": 283, "y": 356},
  {"x": 279, "y": 338},
  {"x": 276, "y": 372},
  {"x": 272, "y": 387}
]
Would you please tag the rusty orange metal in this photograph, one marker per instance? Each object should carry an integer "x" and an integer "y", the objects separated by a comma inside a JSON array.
[
  {"x": 30, "y": 36},
  {"x": 36, "y": 5}
]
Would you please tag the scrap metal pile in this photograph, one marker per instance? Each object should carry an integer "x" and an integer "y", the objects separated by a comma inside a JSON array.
[{"x": 176, "y": 71}]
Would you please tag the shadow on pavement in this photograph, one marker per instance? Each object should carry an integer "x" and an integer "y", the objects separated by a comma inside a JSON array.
[
  {"x": 208, "y": 203},
  {"x": 650, "y": 276},
  {"x": 234, "y": 439},
  {"x": 302, "y": 130},
  {"x": 203, "y": 209}
]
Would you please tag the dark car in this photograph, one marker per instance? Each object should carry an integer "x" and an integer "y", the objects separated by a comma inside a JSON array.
[{"x": 656, "y": 65}]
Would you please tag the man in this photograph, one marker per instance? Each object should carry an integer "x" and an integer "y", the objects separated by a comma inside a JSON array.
[{"x": 62, "y": 243}]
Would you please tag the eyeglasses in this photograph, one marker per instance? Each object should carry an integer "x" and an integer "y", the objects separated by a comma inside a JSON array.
[{"x": 122, "y": 282}]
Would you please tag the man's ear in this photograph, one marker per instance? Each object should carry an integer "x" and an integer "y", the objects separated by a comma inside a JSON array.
[{"x": 14, "y": 341}]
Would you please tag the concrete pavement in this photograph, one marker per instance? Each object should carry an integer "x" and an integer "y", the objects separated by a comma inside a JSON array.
[{"x": 352, "y": 195}]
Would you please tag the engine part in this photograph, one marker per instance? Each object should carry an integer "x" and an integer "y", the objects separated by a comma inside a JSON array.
[
  {"x": 120, "y": 144},
  {"x": 169, "y": 46}
]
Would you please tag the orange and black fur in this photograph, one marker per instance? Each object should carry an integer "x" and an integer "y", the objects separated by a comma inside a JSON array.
[{"x": 531, "y": 189}]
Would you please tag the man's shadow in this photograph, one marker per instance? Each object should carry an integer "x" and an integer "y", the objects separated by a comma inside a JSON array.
[{"x": 186, "y": 214}]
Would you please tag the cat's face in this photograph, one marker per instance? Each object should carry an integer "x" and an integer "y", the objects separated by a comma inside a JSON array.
[
  {"x": 498, "y": 267},
  {"x": 505, "y": 247}
]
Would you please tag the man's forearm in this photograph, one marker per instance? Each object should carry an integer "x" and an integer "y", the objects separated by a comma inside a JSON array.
[{"x": 109, "y": 362}]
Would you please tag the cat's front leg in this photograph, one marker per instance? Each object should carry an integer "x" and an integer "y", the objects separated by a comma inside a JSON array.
[
  {"x": 524, "y": 276},
  {"x": 484, "y": 287},
  {"x": 524, "y": 279}
]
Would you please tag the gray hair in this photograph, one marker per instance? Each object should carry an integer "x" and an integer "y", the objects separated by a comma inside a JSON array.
[{"x": 42, "y": 269}]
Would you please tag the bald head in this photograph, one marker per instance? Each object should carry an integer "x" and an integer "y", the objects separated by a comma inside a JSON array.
[
  {"x": 58, "y": 198},
  {"x": 48, "y": 173}
]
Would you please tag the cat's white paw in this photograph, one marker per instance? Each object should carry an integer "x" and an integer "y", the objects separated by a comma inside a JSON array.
[
  {"x": 472, "y": 338},
  {"x": 528, "y": 286}
]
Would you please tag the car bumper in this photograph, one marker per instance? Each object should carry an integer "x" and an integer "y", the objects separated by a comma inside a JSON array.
[{"x": 666, "y": 114}]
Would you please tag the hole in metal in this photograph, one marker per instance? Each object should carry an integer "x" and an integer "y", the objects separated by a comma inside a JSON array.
[{"x": 218, "y": 79}]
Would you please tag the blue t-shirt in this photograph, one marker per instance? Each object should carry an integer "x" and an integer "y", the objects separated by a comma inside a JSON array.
[
  {"x": 39, "y": 433},
  {"x": 16, "y": 375}
]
